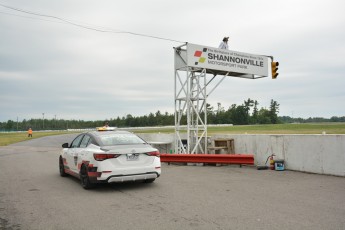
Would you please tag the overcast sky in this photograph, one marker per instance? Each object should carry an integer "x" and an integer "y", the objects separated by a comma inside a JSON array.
[{"x": 52, "y": 67}]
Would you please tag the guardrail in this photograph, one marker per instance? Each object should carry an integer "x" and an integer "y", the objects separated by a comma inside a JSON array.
[{"x": 242, "y": 159}]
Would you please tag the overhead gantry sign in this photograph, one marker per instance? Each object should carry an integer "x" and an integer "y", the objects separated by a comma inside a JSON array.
[
  {"x": 193, "y": 63},
  {"x": 227, "y": 61}
]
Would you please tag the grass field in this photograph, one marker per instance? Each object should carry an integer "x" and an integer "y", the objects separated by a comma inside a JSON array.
[
  {"x": 309, "y": 128},
  {"x": 10, "y": 138}
]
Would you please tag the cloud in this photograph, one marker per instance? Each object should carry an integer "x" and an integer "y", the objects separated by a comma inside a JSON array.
[{"x": 49, "y": 66}]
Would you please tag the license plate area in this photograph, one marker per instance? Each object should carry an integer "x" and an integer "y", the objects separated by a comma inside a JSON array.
[{"x": 132, "y": 156}]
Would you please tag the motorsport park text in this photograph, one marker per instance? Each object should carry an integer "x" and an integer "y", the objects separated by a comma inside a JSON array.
[{"x": 225, "y": 58}]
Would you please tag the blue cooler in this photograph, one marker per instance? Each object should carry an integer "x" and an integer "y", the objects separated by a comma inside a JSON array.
[{"x": 279, "y": 165}]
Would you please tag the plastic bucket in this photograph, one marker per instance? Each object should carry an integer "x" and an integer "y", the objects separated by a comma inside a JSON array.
[{"x": 279, "y": 165}]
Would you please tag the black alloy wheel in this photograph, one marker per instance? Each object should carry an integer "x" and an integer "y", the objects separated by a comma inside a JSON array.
[
  {"x": 84, "y": 178},
  {"x": 62, "y": 168}
]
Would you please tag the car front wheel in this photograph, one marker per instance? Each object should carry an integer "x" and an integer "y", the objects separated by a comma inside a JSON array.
[{"x": 62, "y": 168}]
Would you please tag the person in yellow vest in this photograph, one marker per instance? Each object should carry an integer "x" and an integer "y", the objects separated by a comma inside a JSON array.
[{"x": 30, "y": 132}]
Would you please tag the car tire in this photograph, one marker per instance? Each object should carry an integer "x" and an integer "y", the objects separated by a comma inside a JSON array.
[
  {"x": 62, "y": 168},
  {"x": 84, "y": 178},
  {"x": 149, "y": 180}
]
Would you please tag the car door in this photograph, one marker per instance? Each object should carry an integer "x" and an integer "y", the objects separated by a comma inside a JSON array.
[
  {"x": 72, "y": 153},
  {"x": 83, "y": 150}
]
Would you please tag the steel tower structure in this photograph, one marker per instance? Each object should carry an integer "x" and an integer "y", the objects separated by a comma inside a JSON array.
[{"x": 192, "y": 82}]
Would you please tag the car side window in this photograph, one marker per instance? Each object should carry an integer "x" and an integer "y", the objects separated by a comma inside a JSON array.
[
  {"x": 85, "y": 141},
  {"x": 76, "y": 141},
  {"x": 93, "y": 141}
]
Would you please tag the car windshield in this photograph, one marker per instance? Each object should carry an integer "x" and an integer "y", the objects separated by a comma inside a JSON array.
[{"x": 121, "y": 139}]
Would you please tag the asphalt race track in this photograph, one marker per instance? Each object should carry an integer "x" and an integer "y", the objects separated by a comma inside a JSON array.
[{"x": 34, "y": 196}]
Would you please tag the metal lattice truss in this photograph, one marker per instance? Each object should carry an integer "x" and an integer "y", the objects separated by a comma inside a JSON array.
[
  {"x": 190, "y": 106},
  {"x": 190, "y": 110}
]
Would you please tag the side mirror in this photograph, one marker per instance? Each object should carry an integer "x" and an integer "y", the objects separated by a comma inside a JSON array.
[{"x": 65, "y": 145}]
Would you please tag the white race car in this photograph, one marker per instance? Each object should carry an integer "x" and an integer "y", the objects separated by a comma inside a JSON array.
[{"x": 107, "y": 156}]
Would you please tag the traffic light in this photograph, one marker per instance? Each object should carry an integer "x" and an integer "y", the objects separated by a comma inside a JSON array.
[{"x": 274, "y": 69}]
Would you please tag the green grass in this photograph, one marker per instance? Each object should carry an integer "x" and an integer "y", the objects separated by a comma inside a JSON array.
[
  {"x": 305, "y": 128},
  {"x": 11, "y": 138},
  {"x": 310, "y": 128}
]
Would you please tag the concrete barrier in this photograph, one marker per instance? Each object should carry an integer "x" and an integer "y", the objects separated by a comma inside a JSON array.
[{"x": 322, "y": 154}]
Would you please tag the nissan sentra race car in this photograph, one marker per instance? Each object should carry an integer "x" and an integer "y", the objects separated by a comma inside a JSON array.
[{"x": 108, "y": 156}]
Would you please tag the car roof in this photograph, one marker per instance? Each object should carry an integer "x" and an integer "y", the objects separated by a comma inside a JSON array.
[
  {"x": 106, "y": 133},
  {"x": 97, "y": 135}
]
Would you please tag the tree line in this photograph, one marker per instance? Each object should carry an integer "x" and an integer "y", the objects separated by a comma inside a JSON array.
[{"x": 245, "y": 114}]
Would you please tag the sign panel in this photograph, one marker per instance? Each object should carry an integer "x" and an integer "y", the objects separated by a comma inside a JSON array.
[{"x": 226, "y": 60}]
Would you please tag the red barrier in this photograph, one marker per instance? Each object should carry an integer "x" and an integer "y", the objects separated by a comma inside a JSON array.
[{"x": 245, "y": 159}]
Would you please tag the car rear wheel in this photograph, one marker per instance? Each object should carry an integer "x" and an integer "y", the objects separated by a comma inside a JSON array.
[
  {"x": 84, "y": 178},
  {"x": 62, "y": 168}
]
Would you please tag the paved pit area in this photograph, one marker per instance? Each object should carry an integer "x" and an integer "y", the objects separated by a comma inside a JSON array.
[{"x": 34, "y": 196}]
